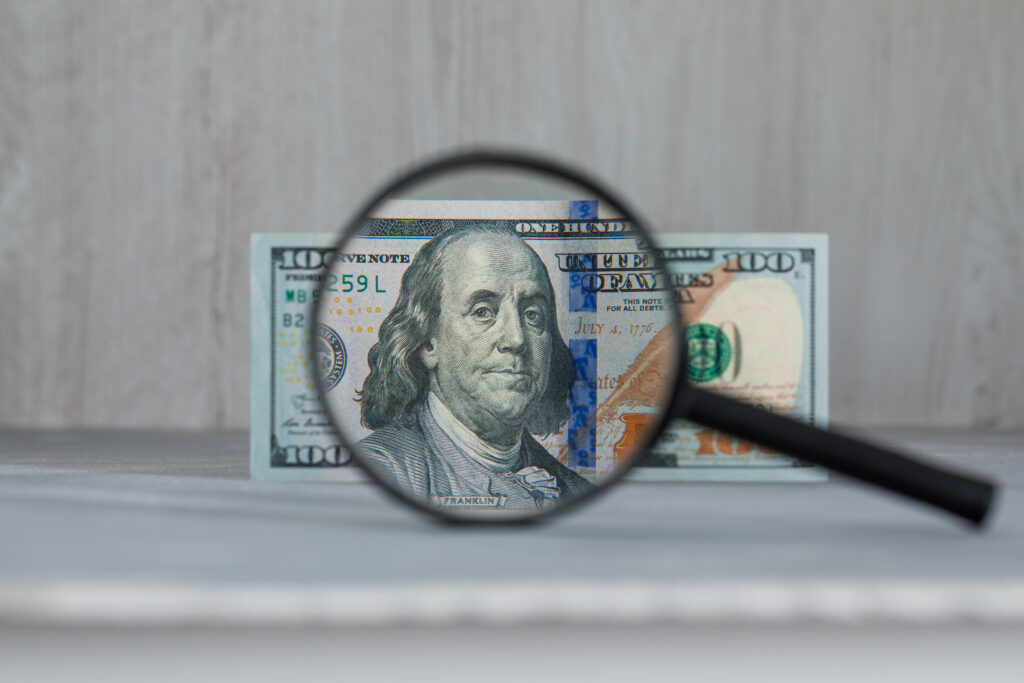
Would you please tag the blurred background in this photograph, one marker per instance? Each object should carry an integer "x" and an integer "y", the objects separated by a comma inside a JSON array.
[{"x": 142, "y": 143}]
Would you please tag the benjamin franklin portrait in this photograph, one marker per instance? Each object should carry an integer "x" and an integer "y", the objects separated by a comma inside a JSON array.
[{"x": 468, "y": 368}]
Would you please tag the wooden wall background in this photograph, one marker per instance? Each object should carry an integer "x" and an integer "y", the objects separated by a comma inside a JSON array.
[{"x": 141, "y": 143}]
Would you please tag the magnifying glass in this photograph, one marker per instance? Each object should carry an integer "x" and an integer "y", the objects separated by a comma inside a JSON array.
[{"x": 465, "y": 319}]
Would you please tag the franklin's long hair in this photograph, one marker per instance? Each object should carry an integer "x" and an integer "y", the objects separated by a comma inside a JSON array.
[{"x": 398, "y": 380}]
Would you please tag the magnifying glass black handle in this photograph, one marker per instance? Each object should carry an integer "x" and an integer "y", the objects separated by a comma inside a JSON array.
[{"x": 962, "y": 495}]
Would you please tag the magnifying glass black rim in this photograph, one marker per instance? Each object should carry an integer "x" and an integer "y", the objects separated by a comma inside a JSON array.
[{"x": 486, "y": 157}]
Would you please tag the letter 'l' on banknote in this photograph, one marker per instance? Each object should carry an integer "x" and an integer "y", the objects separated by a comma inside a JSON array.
[{"x": 758, "y": 302}]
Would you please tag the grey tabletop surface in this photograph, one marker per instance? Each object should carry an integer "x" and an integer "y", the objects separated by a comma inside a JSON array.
[{"x": 171, "y": 521}]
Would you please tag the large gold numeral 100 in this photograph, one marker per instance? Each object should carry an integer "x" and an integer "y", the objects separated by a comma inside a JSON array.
[{"x": 714, "y": 442}]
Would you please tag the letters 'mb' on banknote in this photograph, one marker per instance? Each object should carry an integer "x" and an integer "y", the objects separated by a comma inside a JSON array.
[{"x": 755, "y": 304}]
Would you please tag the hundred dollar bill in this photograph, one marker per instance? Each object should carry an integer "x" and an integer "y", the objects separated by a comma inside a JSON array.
[{"x": 758, "y": 297}]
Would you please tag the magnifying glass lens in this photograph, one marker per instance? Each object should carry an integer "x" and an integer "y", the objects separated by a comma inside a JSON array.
[{"x": 496, "y": 341}]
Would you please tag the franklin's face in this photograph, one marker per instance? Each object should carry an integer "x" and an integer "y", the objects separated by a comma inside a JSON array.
[{"x": 490, "y": 352}]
